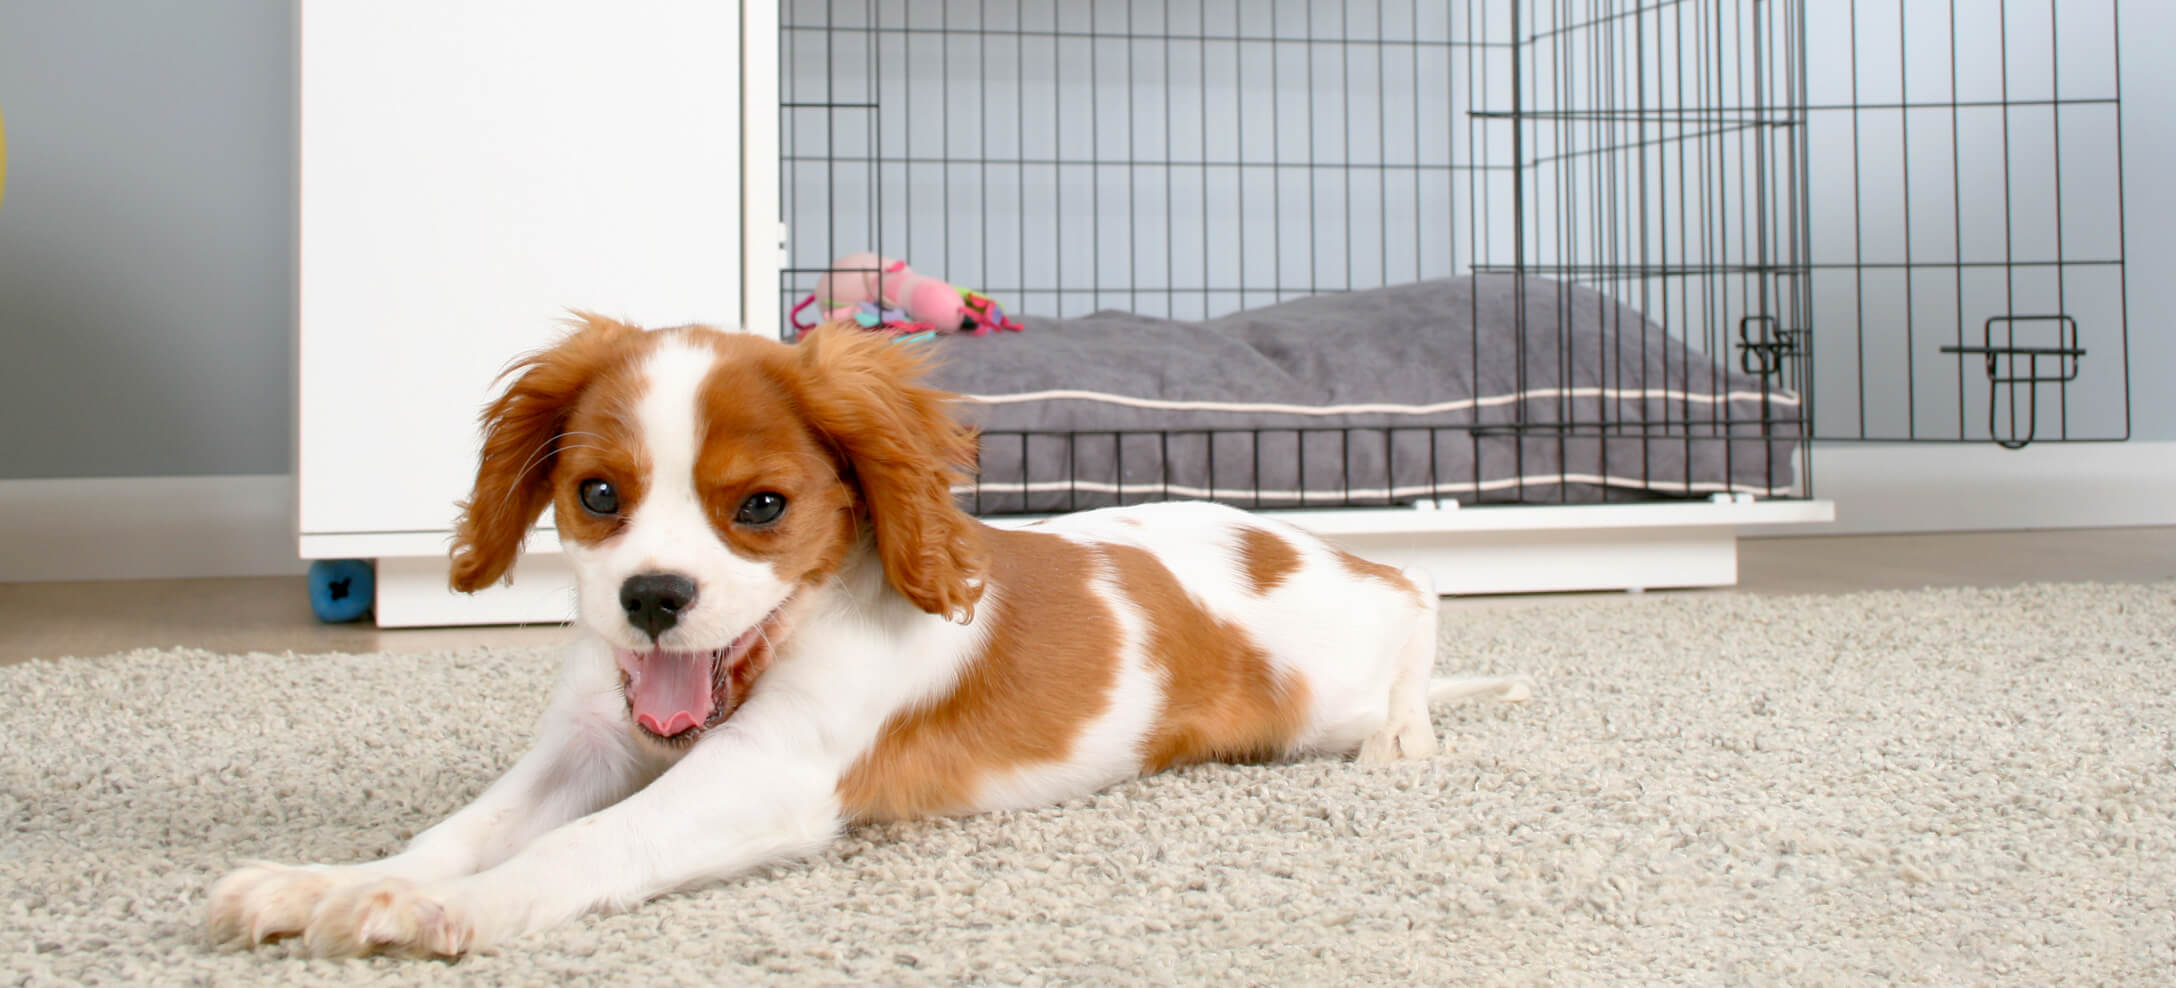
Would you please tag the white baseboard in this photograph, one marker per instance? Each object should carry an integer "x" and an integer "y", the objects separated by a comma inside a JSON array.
[
  {"x": 1967, "y": 488},
  {"x": 147, "y": 528}
]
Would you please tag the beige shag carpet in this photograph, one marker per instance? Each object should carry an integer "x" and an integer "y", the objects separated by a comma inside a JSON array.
[{"x": 1943, "y": 787}]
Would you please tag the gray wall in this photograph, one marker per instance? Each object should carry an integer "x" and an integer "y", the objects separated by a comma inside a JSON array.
[{"x": 146, "y": 237}]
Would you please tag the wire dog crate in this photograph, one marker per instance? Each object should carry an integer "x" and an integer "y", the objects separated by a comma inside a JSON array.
[{"x": 1879, "y": 220}]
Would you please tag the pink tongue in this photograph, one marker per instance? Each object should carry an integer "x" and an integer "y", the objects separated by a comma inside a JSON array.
[{"x": 669, "y": 691}]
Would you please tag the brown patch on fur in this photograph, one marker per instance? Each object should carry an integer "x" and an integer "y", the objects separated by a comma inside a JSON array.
[
  {"x": 903, "y": 450},
  {"x": 1222, "y": 699},
  {"x": 586, "y": 382},
  {"x": 755, "y": 440},
  {"x": 1368, "y": 569},
  {"x": 1267, "y": 557},
  {"x": 1045, "y": 673}
]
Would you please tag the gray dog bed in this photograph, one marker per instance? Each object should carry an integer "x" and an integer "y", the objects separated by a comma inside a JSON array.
[{"x": 1382, "y": 396}]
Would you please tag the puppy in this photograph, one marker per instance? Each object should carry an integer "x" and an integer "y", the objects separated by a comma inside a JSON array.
[{"x": 789, "y": 626}]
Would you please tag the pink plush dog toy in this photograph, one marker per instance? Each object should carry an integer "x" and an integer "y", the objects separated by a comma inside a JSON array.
[{"x": 858, "y": 282}]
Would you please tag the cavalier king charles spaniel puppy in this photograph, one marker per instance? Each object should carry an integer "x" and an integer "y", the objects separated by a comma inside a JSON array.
[{"x": 789, "y": 626}]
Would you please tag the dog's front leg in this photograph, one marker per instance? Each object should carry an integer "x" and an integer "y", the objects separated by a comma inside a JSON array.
[
  {"x": 583, "y": 759},
  {"x": 727, "y": 807}
]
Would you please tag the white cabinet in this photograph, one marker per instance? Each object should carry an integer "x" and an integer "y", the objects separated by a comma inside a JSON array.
[{"x": 470, "y": 171}]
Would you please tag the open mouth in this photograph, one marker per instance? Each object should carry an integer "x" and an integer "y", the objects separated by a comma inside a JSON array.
[{"x": 675, "y": 696}]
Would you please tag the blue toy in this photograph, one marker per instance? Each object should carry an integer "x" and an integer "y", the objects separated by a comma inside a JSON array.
[{"x": 341, "y": 590}]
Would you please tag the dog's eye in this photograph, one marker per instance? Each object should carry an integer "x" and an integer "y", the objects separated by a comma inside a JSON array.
[
  {"x": 599, "y": 498},
  {"x": 761, "y": 508}
]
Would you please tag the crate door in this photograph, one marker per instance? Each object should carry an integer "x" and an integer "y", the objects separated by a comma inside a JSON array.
[{"x": 1964, "y": 165}]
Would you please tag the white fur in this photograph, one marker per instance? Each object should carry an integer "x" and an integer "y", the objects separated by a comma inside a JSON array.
[{"x": 595, "y": 816}]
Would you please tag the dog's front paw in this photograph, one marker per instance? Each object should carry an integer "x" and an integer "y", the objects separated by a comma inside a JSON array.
[
  {"x": 391, "y": 916},
  {"x": 261, "y": 902}
]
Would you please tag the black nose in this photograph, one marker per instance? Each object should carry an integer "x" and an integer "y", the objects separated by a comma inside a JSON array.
[{"x": 654, "y": 600}]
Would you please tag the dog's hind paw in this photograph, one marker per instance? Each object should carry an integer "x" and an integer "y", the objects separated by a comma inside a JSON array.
[{"x": 1409, "y": 737}]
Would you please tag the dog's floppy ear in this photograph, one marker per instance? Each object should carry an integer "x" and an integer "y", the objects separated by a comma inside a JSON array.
[
  {"x": 522, "y": 430},
  {"x": 903, "y": 450}
]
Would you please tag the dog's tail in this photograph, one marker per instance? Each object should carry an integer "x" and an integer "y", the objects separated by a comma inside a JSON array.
[{"x": 1504, "y": 689}]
